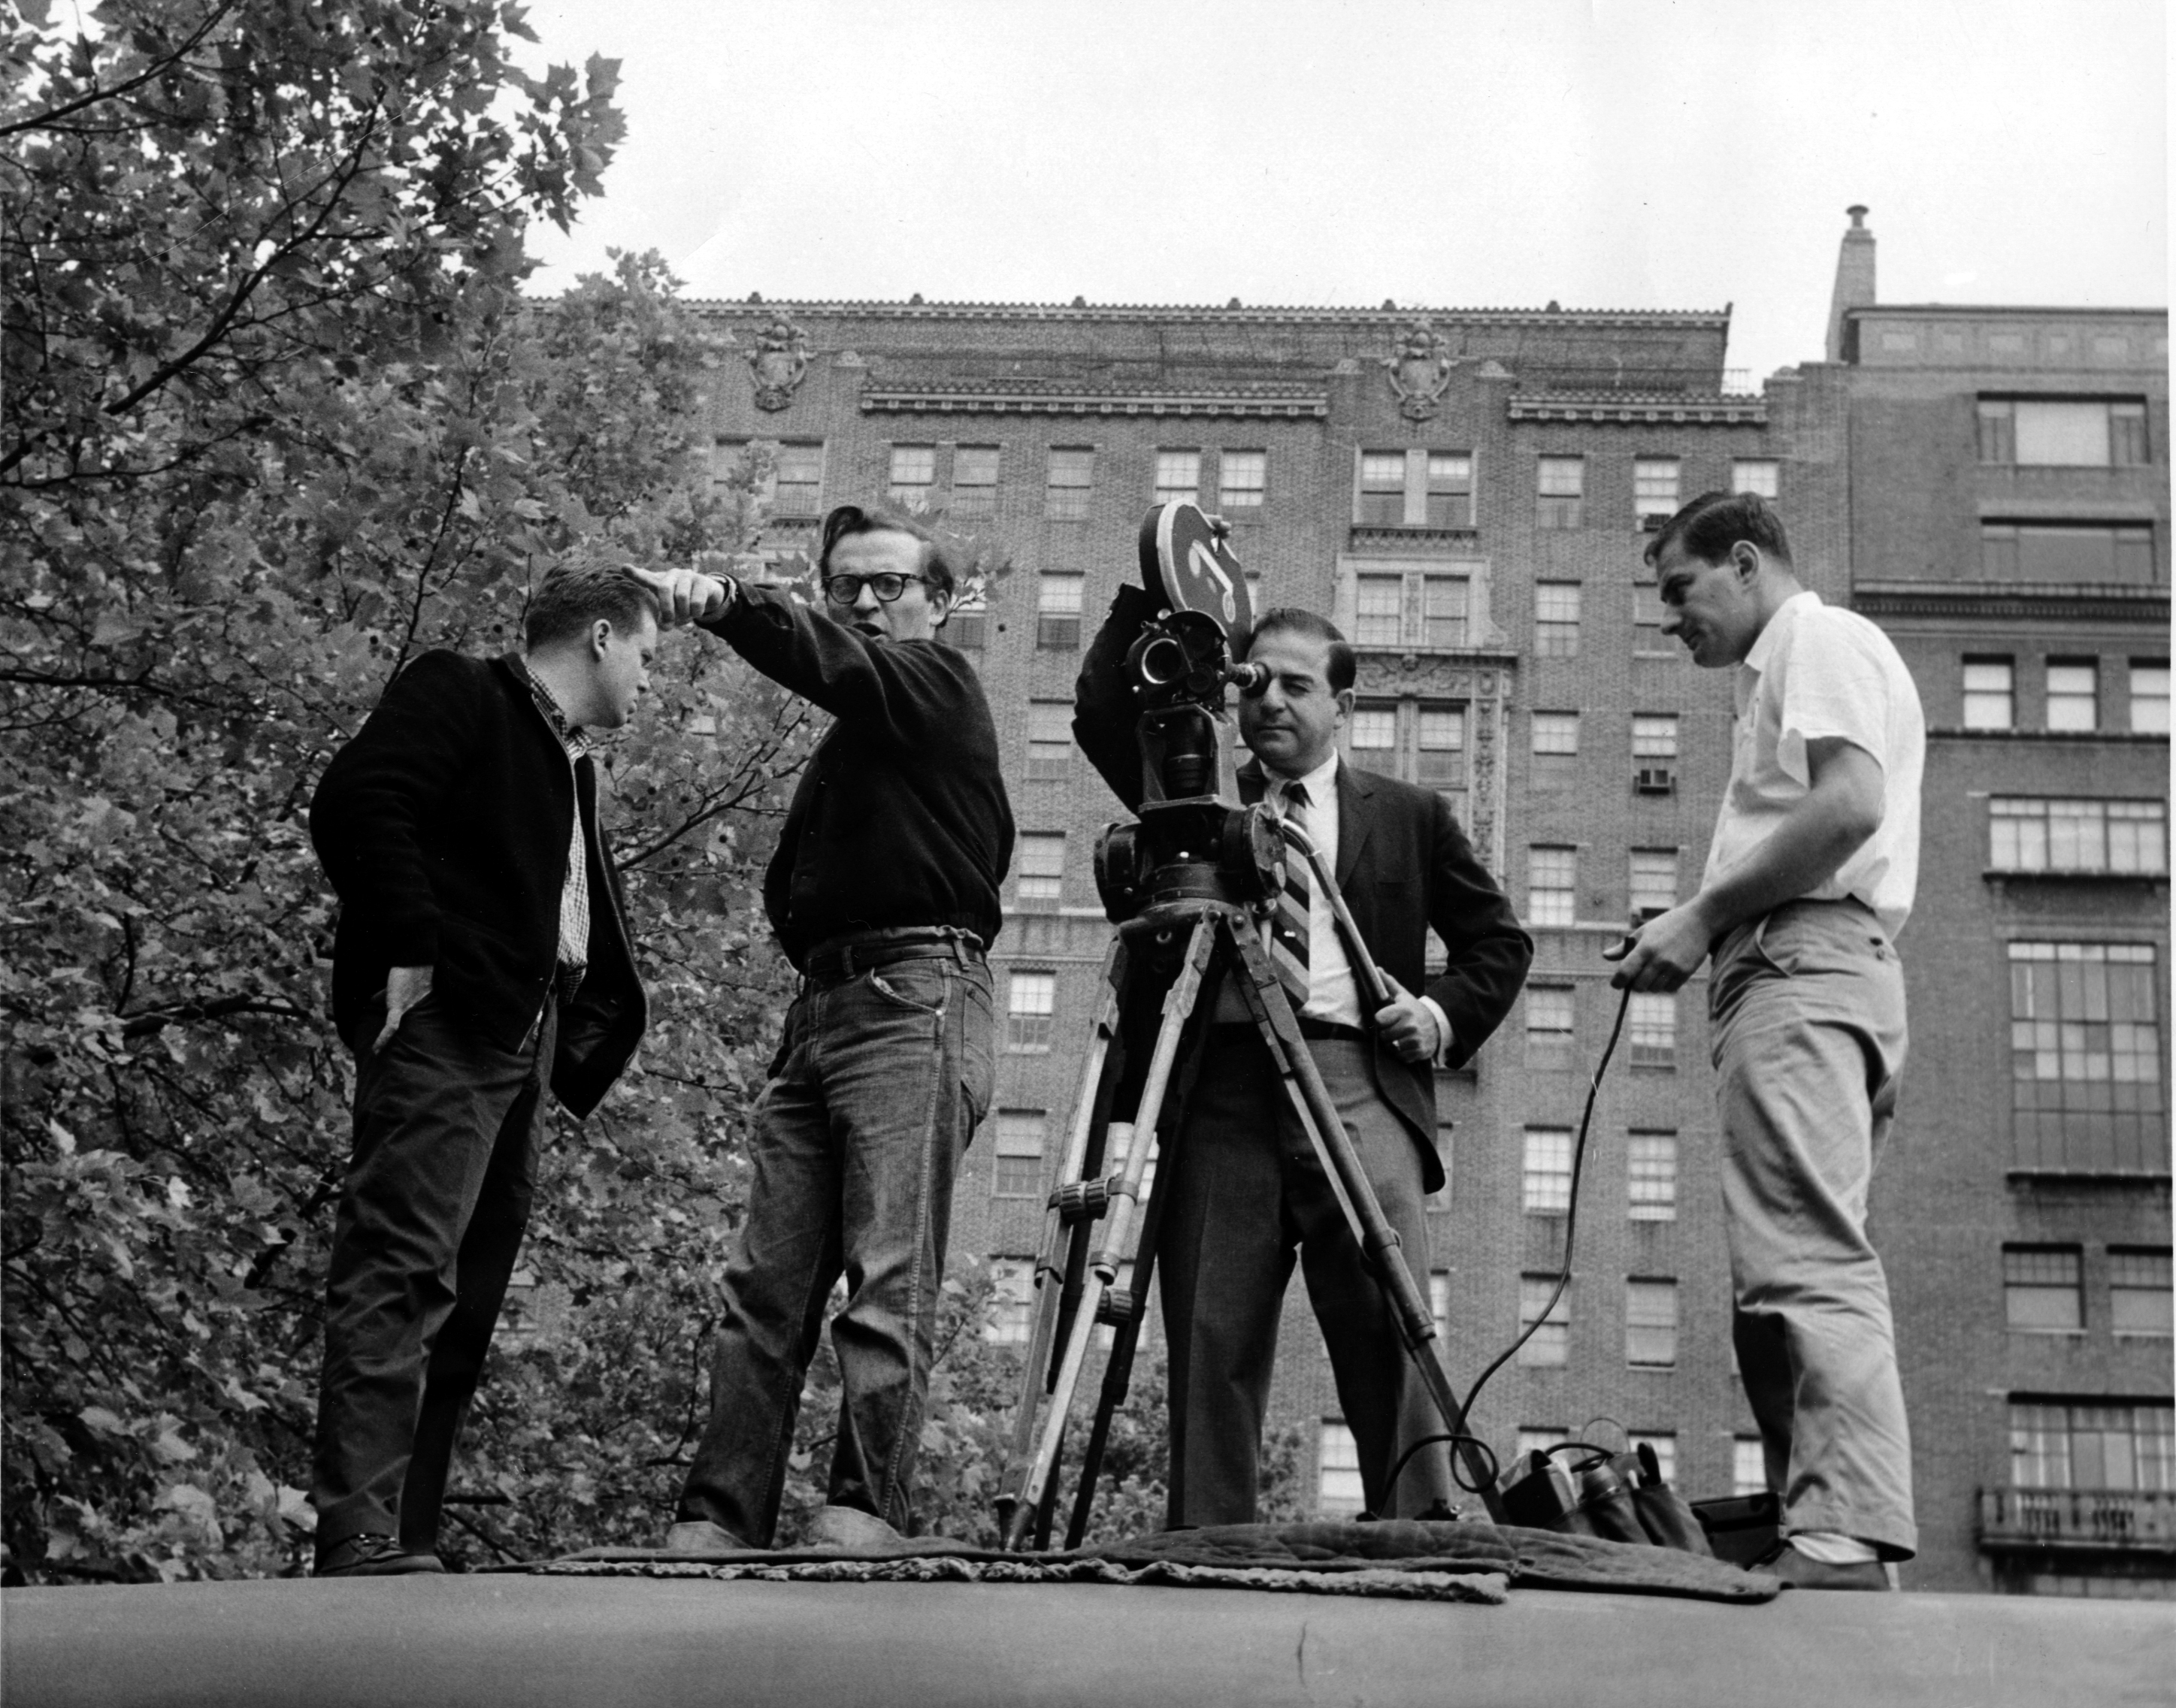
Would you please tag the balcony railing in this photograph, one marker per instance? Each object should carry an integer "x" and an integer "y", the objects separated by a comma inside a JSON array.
[{"x": 2142, "y": 1521}]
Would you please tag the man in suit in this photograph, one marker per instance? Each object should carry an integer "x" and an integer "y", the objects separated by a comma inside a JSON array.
[
  {"x": 1247, "y": 1189},
  {"x": 482, "y": 953}
]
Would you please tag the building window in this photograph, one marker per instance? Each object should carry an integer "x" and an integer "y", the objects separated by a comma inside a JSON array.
[
  {"x": 1551, "y": 881},
  {"x": 1650, "y": 1176},
  {"x": 1539, "y": 1438},
  {"x": 1177, "y": 477},
  {"x": 1547, "y": 1179},
  {"x": 2140, "y": 1298},
  {"x": 913, "y": 473},
  {"x": 1556, "y": 747},
  {"x": 2053, "y": 433},
  {"x": 974, "y": 480},
  {"x": 1651, "y": 1027},
  {"x": 2074, "y": 697},
  {"x": 1058, "y": 596},
  {"x": 1654, "y": 881},
  {"x": 1071, "y": 479},
  {"x": 2043, "y": 1288},
  {"x": 797, "y": 481},
  {"x": 1030, "y": 1000},
  {"x": 2032, "y": 835},
  {"x": 2149, "y": 696},
  {"x": 1555, "y": 618},
  {"x": 1379, "y": 610},
  {"x": 1560, "y": 493},
  {"x": 1049, "y": 739},
  {"x": 1550, "y": 1012},
  {"x": 1551, "y": 1341},
  {"x": 2066, "y": 551},
  {"x": 1654, "y": 752},
  {"x": 1372, "y": 733},
  {"x": 1019, "y": 1153},
  {"x": 1240, "y": 479},
  {"x": 1648, "y": 641},
  {"x": 1665, "y": 1449},
  {"x": 1442, "y": 612},
  {"x": 1040, "y": 861},
  {"x": 1757, "y": 475},
  {"x": 1449, "y": 489},
  {"x": 1439, "y": 1303},
  {"x": 1012, "y": 1300},
  {"x": 1654, "y": 487},
  {"x": 1440, "y": 732},
  {"x": 1990, "y": 694},
  {"x": 968, "y": 624},
  {"x": 1748, "y": 1465},
  {"x": 1338, "y": 1487},
  {"x": 1651, "y": 1323},
  {"x": 2085, "y": 1040},
  {"x": 1381, "y": 502},
  {"x": 2082, "y": 1445}
]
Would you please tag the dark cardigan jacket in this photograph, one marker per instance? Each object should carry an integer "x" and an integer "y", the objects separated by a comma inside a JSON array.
[{"x": 443, "y": 827}]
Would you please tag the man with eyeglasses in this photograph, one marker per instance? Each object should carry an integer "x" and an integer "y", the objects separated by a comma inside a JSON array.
[{"x": 883, "y": 894}]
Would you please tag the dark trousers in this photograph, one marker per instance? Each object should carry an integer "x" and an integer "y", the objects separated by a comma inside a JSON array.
[
  {"x": 883, "y": 1078},
  {"x": 430, "y": 1216},
  {"x": 1247, "y": 1189}
]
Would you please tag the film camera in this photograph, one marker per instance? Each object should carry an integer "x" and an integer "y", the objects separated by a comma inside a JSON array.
[{"x": 1193, "y": 841}]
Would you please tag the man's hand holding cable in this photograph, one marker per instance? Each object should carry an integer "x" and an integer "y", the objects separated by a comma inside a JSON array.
[
  {"x": 1665, "y": 951},
  {"x": 1407, "y": 1025}
]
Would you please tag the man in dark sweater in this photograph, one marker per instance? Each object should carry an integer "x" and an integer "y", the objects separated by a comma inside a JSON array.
[
  {"x": 482, "y": 951},
  {"x": 883, "y": 892}
]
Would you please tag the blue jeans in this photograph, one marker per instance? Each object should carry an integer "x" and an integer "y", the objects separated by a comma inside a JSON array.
[
  {"x": 881, "y": 1079},
  {"x": 1808, "y": 1043}
]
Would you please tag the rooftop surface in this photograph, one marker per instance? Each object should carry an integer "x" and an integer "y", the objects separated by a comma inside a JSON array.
[{"x": 673, "y": 1643}]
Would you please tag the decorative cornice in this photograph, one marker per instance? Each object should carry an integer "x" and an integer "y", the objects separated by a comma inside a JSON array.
[
  {"x": 1639, "y": 410},
  {"x": 2015, "y": 601},
  {"x": 943, "y": 399},
  {"x": 1231, "y": 313},
  {"x": 1427, "y": 542}
]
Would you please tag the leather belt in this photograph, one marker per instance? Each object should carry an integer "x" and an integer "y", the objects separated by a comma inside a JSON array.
[
  {"x": 840, "y": 958},
  {"x": 1330, "y": 1029}
]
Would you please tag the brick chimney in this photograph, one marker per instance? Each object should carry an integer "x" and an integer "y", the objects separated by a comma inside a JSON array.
[{"x": 1854, "y": 283}]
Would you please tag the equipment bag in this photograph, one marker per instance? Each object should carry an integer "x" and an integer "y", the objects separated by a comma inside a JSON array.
[{"x": 1619, "y": 1497}]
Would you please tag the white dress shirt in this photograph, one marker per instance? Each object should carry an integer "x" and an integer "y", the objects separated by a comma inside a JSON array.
[{"x": 1817, "y": 672}]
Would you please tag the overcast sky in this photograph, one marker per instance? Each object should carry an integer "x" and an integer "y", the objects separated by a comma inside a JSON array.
[{"x": 1607, "y": 155}]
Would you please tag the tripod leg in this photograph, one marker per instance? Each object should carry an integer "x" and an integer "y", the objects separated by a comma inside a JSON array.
[
  {"x": 1053, "y": 1270},
  {"x": 1356, "y": 1195},
  {"x": 1178, "y": 1004}
]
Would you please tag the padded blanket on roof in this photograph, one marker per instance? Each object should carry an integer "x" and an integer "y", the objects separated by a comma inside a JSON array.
[{"x": 1411, "y": 1559}]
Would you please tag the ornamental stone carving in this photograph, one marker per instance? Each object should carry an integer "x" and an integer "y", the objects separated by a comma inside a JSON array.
[
  {"x": 778, "y": 362},
  {"x": 1419, "y": 371}
]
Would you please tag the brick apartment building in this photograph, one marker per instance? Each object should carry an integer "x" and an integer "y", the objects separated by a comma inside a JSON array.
[{"x": 1467, "y": 492}]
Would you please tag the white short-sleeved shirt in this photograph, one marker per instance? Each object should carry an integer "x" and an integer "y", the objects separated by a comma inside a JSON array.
[{"x": 1817, "y": 672}]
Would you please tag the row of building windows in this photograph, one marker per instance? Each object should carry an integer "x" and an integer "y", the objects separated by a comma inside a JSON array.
[
  {"x": 2072, "y": 697},
  {"x": 1391, "y": 488},
  {"x": 1650, "y": 1322},
  {"x": 2043, "y": 1289},
  {"x": 2063, "y": 433},
  {"x": 1650, "y": 1173},
  {"x": 1651, "y": 1027},
  {"x": 1553, "y": 883},
  {"x": 2031, "y": 833},
  {"x": 2069, "y": 551}
]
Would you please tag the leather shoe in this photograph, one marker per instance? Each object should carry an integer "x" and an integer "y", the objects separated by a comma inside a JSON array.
[
  {"x": 850, "y": 1530},
  {"x": 1801, "y": 1571},
  {"x": 373, "y": 1556},
  {"x": 701, "y": 1537}
]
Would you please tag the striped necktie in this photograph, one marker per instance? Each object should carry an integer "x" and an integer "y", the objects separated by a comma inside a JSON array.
[{"x": 1290, "y": 925}]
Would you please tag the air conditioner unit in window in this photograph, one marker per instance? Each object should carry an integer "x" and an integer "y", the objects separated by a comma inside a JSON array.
[{"x": 1654, "y": 779}]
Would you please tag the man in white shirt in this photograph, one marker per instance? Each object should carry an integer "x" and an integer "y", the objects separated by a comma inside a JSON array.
[
  {"x": 1808, "y": 879},
  {"x": 1246, "y": 1190}
]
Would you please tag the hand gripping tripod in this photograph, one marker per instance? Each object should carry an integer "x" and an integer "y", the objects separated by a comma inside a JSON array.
[{"x": 1186, "y": 888}]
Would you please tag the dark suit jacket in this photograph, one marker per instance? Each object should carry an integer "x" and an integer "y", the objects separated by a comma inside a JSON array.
[
  {"x": 1403, "y": 866},
  {"x": 443, "y": 827}
]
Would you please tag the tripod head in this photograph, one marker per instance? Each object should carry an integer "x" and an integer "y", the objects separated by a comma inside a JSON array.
[{"x": 1194, "y": 841}]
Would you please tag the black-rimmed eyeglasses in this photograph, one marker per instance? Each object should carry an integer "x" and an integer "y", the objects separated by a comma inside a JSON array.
[{"x": 846, "y": 589}]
